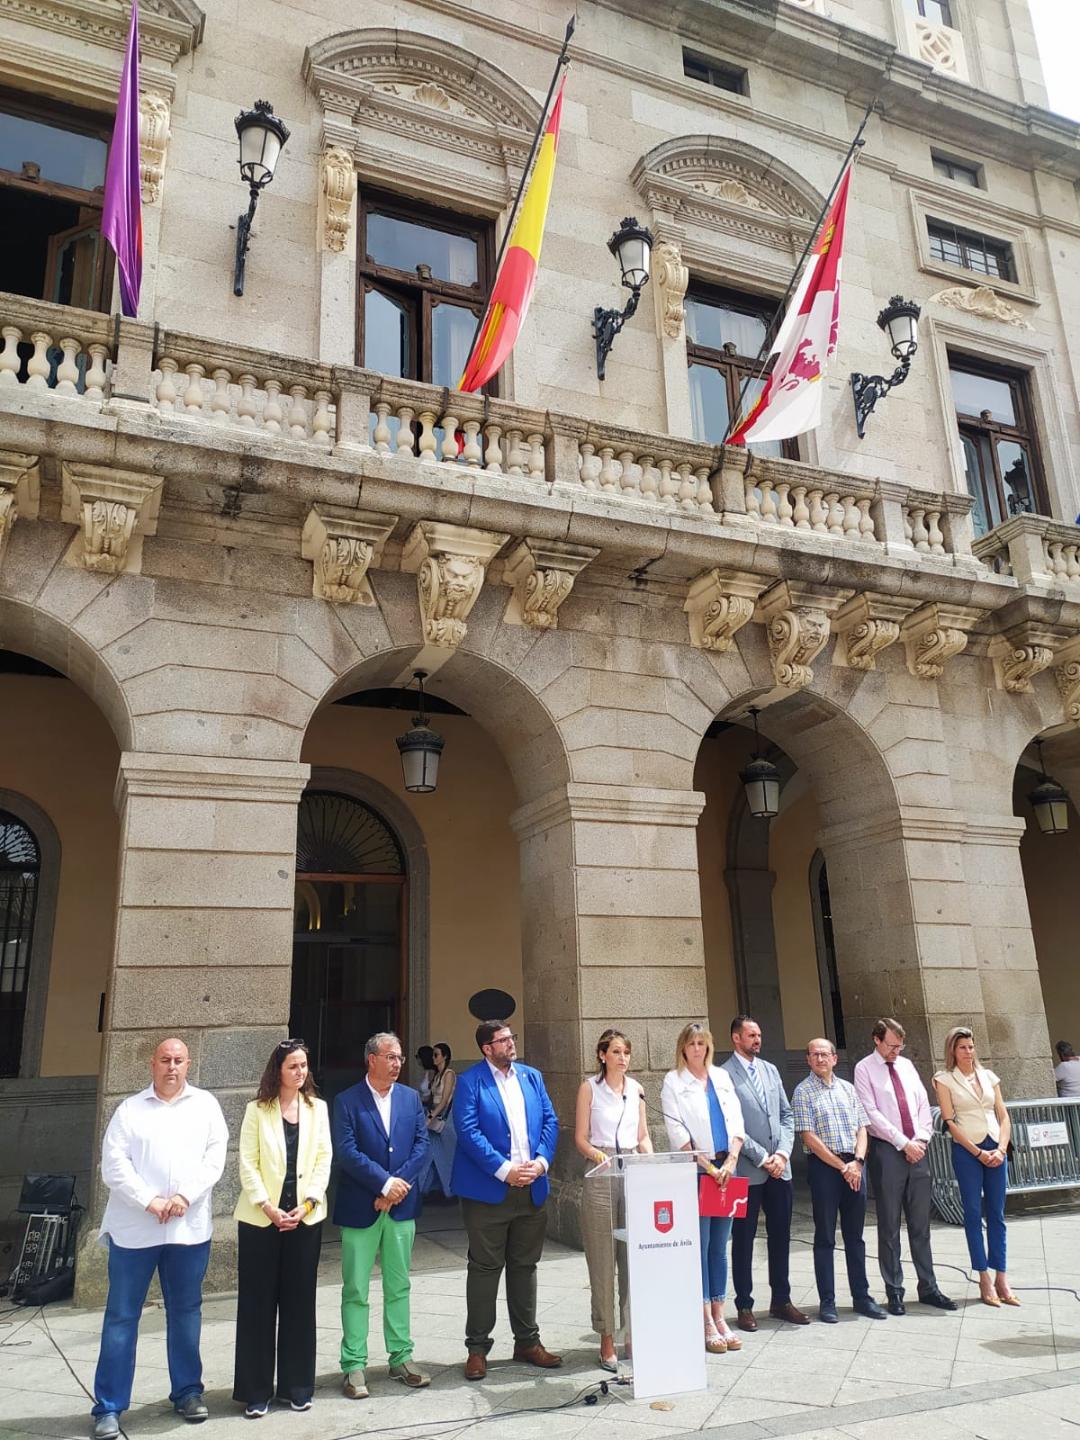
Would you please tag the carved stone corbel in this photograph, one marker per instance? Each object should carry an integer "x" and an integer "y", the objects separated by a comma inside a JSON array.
[
  {"x": 1067, "y": 678},
  {"x": 718, "y": 604},
  {"x": 342, "y": 545},
  {"x": 114, "y": 510},
  {"x": 450, "y": 563},
  {"x": 796, "y": 618},
  {"x": 671, "y": 278},
  {"x": 1020, "y": 653},
  {"x": 338, "y": 178},
  {"x": 154, "y": 117},
  {"x": 20, "y": 491},
  {"x": 866, "y": 625},
  {"x": 542, "y": 574},
  {"x": 935, "y": 634}
]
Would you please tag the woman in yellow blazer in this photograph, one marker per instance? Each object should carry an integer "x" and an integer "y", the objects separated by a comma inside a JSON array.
[
  {"x": 975, "y": 1115},
  {"x": 285, "y": 1155}
]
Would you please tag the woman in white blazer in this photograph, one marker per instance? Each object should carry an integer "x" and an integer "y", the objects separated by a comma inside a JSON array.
[
  {"x": 285, "y": 1155},
  {"x": 702, "y": 1112}
]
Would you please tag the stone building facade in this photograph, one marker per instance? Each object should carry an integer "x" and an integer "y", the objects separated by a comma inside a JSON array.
[{"x": 232, "y": 528}]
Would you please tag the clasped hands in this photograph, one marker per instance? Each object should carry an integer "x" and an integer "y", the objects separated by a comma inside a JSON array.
[
  {"x": 723, "y": 1173},
  {"x": 164, "y": 1210},
  {"x": 991, "y": 1158},
  {"x": 398, "y": 1190},
  {"x": 851, "y": 1170},
  {"x": 524, "y": 1173}
]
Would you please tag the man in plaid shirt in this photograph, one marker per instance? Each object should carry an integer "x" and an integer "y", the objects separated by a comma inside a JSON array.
[{"x": 831, "y": 1119}]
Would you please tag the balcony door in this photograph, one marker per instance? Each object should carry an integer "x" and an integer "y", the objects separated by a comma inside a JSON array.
[{"x": 349, "y": 935}]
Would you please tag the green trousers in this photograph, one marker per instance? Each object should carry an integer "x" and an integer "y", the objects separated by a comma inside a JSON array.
[{"x": 392, "y": 1242}]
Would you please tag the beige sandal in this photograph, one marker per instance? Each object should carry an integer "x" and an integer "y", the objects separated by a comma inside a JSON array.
[{"x": 715, "y": 1343}]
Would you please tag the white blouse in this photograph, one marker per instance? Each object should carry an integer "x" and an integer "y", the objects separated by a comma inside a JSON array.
[
  {"x": 686, "y": 1109},
  {"x": 614, "y": 1117}
]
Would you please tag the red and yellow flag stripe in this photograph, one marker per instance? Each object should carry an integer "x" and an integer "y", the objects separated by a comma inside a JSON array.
[{"x": 513, "y": 288}]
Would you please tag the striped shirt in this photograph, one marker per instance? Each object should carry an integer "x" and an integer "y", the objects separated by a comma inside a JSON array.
[{"x": 833, "y": 1112}]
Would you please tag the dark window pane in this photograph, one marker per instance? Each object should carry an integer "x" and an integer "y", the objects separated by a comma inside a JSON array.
[
  {"x": 452, "y": 329},
  {"x": 956, "y": 170},
  {"x": 980, "y": 482},
  {"x": 407, "y": 245},
  {"x": 708, "y": 403},
  {"x": 62, "y": 156},
  {"x": 1016, "y": 477},
  {"x": 386, "y": 335},
  {"x": 714, "y": 72},
  {"x": 774, "y": 448},
  {"x": 975, "y": 393},
  {"x": 714, "y": 325}
]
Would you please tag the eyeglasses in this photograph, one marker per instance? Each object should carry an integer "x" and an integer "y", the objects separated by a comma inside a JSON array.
[{"x": 504, "y": 1040}]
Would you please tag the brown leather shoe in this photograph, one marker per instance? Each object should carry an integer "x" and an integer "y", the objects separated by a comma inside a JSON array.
[
  {"x": 746, "y": 1321},
  {"x": 789, "y": 1312},
  {"x": 537, "y": 1355},
  {"x": 476, "y": 1365}
]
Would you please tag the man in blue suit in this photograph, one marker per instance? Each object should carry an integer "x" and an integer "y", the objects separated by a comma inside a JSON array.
[
  {"x": 380, "y": 1148},
  {"x": 506, "y": 1132}
]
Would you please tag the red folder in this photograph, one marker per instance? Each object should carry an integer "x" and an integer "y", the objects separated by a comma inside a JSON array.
[{"x": 722, "y": 1202}]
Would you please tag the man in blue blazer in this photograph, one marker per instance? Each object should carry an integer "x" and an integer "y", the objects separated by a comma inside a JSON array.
[
  {"x": 506, "y": 1133},
  {"x": 380, "y": 1148}
]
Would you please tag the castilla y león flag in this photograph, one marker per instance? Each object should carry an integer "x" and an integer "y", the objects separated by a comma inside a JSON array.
[
  {"x": 121, "y": 218},
  {"x": 512, "y": 291},
  {"x": 790, "y": 404}
]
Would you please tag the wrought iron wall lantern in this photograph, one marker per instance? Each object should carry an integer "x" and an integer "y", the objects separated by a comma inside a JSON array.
[
  {"x": 420, "y": 748},
  {"x": 900, "y": 320},
  {"x": 262, "y": 135},
  {"x": 1049, "y": 801},
  {"x": 761, "y": 780},
  {"x": 632, "y": 246}
]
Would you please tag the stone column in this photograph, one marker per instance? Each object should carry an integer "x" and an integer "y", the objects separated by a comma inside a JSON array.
[
  {"x": 931, "y": 923},
  {"x": 203, "y": 945},
  {"x": 611, "y": 935}
]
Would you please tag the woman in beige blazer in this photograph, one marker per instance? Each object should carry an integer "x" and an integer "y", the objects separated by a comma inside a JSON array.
[
  {"x": 975, "y": 1115},
  {"x": 285, "y": 1157}
]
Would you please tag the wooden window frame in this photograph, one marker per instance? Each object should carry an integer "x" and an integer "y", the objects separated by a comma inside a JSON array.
[
  {"x": 968, "y": 242},
  {"x": 419, "y": 293},
  {"x": 720, "y": 74},
  {"x": 945, "y": 165},
  {"x": 735, "y": 368},
  {"x": 90, "y": 202},
  {"x": 1024, "y": 433}
]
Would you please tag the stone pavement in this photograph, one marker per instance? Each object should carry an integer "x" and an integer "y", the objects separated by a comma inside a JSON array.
[{"x": 979, "y": 1373}]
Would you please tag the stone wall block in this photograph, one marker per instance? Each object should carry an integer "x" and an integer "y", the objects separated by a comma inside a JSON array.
[
  {"x": 952, "y": 992},
  {"x": 178, "y": 878},
  {"x": 641, "y": 940},
  {"x": 939, "y": 902},
  {"x": 237, "y": 1058},
  {"x": 660, "y": 847},
  {"x": 654, "y": 992},
  {"x": 167, "y": 937},
  {"x": 196, "y": 998},
  {"x": 625, "y": 892}
]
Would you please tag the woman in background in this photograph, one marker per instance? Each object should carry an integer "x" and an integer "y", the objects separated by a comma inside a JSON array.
[{"x": 441, "y": 1133}]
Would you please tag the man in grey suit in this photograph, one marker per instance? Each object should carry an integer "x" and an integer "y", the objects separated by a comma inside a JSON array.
[{"x": 765, "y": 1161}]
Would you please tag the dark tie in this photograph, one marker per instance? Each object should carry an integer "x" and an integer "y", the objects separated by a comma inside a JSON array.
[{"x": 901, "y": 1099}]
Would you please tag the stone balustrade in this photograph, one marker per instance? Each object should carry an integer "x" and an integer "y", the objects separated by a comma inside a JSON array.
[
  {"x": 236, "y": 386},
  {"x": 658, "y": 470},
  {"x": 832, "y": 505},
  {"x": 1034, "y": 549},
  {"x": 54, "y": 347},
  {"x": 442, "y": 426}
]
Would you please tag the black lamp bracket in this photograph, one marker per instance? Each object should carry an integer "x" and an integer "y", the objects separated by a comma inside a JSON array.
[
  {"x": 867, "y": 390},
  {"x": 243, "y": 239},
  {"x": 607, "y": 324}
]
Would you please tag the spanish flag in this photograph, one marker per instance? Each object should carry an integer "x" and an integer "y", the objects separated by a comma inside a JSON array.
[{"x": 512, "y": 291}]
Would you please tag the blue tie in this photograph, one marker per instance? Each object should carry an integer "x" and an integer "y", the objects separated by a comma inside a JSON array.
[{"x": 759, "y": 1088}]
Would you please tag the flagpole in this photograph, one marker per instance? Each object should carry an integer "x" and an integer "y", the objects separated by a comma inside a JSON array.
[
  {"x": 509, "y": 230},
  {"x": 761, "y": 361}
]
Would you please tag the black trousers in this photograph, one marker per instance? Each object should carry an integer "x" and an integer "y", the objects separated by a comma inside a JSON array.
[
  {"x": 832, "y": 1196},
  {"x": 277, "y": 1271},
  {"x": 775, "y": 1198},
  {"x": 901, "y": 1189}
]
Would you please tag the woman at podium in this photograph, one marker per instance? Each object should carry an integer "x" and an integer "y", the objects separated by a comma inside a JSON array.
[
  {"x": 610, "y": 1120},
  {"x": 702, "y": 1112}
]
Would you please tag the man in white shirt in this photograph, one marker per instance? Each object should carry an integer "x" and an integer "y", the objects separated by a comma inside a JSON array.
[{"x": 162, "y": 1155}]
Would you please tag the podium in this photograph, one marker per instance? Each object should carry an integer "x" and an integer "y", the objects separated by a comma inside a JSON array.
[{"x": 657, "y": 1253}]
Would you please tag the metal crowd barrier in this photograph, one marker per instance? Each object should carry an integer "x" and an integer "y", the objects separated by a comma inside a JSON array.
[{"x": 1046, "y": 1153}]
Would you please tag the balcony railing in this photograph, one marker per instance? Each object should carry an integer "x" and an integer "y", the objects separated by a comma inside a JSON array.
[
  {"x": 937, "y": 45},
  {"x": 1034, "y": 549},
  {"x": 201, "y": 386}
]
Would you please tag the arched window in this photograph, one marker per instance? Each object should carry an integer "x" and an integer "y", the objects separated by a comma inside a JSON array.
[
  {"x": 821, "y": 905},
  {"x": 20, "y": 872}
]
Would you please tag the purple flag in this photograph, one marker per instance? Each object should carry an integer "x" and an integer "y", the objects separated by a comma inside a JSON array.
[{"x": 121, "y": 219}]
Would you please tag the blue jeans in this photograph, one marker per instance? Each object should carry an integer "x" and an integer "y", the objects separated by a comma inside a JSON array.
[
  {"x": 715, "y": 1231},
  {"x": 181, "y": 1269},
  {"x": 982, "y": 1187}
]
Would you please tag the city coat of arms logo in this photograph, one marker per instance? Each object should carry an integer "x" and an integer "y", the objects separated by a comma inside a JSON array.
[{"x": 663, "y": 1215}]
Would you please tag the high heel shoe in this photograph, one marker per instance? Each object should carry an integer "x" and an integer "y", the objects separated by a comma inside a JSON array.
[
  {"x": 730, "y": 1339},
  {"x": 715, "y": 1343},
  {"x": 1009, "y": 1299},
  {"x": 989, "y": 1298}
]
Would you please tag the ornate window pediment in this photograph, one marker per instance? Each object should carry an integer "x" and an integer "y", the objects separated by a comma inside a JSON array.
[
  {"x": 387, "y": 93},
  {"x": 727, "y": 186}
]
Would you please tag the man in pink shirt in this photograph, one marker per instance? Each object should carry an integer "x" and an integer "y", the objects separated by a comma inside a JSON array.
[{"x": 898, "y": 1109}]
